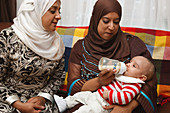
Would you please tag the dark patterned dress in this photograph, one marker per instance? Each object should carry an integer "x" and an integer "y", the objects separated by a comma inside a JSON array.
[{"x": 25, "y": 74}]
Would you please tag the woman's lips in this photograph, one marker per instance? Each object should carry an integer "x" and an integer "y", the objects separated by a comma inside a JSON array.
[
  {"x": 54, "y": 23},
  {"x": 109, "y": 34}
]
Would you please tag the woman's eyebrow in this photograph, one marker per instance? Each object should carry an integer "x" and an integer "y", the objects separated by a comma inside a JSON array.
[
  {"x": 117, "y": 19},
  {"x": 105, "y": 17},
  {"x": 108, "y": 18},
  {"x": 54, "y": 7}
]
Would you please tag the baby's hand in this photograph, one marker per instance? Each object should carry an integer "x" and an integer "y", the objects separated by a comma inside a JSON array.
[{"x": 105, "y": 94}]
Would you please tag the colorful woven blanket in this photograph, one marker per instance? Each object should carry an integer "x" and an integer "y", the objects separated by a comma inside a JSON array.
[{"x": 157, "y": 42}]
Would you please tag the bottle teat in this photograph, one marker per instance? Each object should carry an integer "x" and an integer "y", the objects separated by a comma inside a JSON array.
[{"x": 122, "y": 68}]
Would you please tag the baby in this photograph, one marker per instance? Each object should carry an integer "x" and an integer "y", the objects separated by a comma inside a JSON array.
[{"x": 120, "y": 91}]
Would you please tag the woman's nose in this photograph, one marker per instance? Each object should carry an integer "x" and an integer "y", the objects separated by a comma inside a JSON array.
[
  {"x": 111, "y": 26},
  {"x": 58, "y": 16}
]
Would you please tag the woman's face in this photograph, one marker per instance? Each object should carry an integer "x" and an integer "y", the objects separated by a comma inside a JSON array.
[
  {"x": 51, "y": 17},
  {"x": 108, "y": 25}
]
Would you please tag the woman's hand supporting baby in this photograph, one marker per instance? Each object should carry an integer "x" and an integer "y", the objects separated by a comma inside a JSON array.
[{"x": 122, "y": 109}]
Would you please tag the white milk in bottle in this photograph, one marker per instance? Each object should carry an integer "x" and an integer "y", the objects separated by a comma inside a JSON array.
[{"x": 106, "y": 63}]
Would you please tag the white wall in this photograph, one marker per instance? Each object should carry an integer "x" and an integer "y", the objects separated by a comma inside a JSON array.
[
  {"x": 136, "y": 13},
  {"x": 19, "y": 3},
  {"x": 146, "y": 13}
]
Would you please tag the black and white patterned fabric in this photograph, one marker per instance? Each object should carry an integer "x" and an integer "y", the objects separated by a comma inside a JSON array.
[{"x": 23, "y": 73}]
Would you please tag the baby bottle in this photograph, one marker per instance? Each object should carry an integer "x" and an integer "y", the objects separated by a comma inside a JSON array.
[{"x": 106, "y": 63}]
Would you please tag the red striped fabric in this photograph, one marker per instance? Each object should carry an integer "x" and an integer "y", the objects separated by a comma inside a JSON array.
[{"x": 120, "y": 92}]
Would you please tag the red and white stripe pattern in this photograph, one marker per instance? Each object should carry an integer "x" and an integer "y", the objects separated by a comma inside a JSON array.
[{"x": 120, "y": 93}]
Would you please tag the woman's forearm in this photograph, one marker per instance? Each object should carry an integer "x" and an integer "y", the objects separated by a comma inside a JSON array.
[
  {"x": 104, "y": 78},
  {"x": 91, "y": 85},
  {"x": 133, "y": 104}
]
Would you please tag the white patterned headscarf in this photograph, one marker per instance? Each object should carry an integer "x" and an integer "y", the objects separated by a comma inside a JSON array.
[{"x": 28, "y": 27}]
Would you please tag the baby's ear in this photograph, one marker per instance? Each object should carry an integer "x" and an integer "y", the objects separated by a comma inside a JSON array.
[{"x": 143, "y": 77}]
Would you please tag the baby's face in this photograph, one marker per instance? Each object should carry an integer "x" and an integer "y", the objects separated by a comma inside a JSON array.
[{"x": 136, "y": 67}]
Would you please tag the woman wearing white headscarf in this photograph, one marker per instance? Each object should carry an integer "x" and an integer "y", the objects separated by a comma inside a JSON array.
[{"x": 31, "y": 59}]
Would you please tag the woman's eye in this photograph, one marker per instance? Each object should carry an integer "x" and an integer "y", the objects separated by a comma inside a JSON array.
[
  {"x": 52, "y": 12},
  {"x": 116, "y": 22},
  {"x": 105, "y": 21}
]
